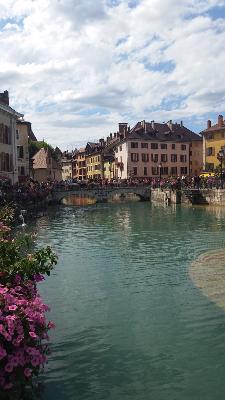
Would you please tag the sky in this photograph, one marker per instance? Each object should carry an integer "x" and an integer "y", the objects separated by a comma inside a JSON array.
[{"x": 76, "y": 68}]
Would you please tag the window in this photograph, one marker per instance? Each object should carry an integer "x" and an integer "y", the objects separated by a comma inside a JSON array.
[
  {"x": 154, "y": 157},
  {"x": 183, "y": 158},
  {"x": 134, "y": 157},
  {"x": 134, "y": 145},
  {"x": 6, "y": 162},
  {"x": 183, "y": 147},
  {"x": 134, "y": 170},
  {"x": 145, "y": 171},
  {"x": 190, "y": 153},
  {"x": 163, "y": 146},
  {"x": 155, "y": 171},
  {"x": 173, "y": 146},
  {"x": 22, "y": 171},
  {"x": 209, "y": 167},
  {"x": 154, "y": 145},
  {"x": 164, "y": 157},
  {"x": 210, "y": 151},
  {"x": 174, "y": 171},
  {"x": 183, "y": 170},
  {"x": 17, "y": 135},
  {"x": 20, "y": 152},
  {"x": 120, "y": 148},
  {"x": 173, "y": 158},
  {"x": 164, "y": 170},
  {"x": 116, "y": 151},
  {"x": 223, "y": 135},
  {"x": 210, "y": 136},
  {"x": 145, "y": 157},
  {"x": 144, "y": 145}
]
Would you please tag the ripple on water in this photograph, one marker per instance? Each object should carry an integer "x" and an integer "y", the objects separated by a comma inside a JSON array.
[{"x": 208, "y": 274}]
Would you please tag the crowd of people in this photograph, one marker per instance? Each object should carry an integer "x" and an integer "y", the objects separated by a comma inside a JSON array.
[{"x": 35, "y": 191}]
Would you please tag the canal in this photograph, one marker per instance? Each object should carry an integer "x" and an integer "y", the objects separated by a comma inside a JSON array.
[{"x": 131, "y": 323}]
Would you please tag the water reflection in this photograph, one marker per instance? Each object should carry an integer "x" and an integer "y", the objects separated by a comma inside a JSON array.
[
  {"x": 74, "y": 200},
  {"x": 208, "y": 274},
  {"x": 130, "y": 323}
]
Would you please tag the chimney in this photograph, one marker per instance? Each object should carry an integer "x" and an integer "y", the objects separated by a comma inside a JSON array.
[
  {"x": 153, "y": 124},
  {"x": 144, "y": 126},
  {"x": 209, "y": 124},
  {"x": 170, "y": 124},
  {"x": 220, "y": 121},
  {"x": 108, "y": 139},
  {"x": 123, "y": 128},
  {"x": 111, "y": 136},
  {"x": 4, "y": 97},
  {"x": 181, "y": 123},
  {"x": 102, "y": 142},
  {"x": 114, "y": 134}
]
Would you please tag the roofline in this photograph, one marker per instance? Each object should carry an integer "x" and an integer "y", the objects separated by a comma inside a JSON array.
[{"x": 10, "y": 110}]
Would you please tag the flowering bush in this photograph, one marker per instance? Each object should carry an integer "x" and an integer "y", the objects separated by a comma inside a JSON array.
[{"x": 23, "y": 325}]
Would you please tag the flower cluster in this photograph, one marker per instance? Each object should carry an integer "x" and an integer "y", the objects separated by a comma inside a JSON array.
[
  {"x": 23, "y": 324},
  {"x": 23, "y": 332}
]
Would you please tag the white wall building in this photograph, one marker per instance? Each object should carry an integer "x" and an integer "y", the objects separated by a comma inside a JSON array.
[{"x": 156, "y": 150}]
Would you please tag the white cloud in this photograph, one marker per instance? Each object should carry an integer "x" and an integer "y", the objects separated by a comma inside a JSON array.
[{"x": 77, "y": 68}]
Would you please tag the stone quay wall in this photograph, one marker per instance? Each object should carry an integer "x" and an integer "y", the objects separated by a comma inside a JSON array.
[{"x": 167, "y": 196}]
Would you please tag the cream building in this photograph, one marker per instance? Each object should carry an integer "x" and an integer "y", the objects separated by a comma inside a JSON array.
[{"x": 8, "y": 145}]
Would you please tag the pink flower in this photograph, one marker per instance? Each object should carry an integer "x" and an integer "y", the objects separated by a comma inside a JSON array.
[
  {"x": 8, "y": 386},
  {"x": 27, "y": 372},
  {"x": 9, "y": 367},
  {"x": 33, "y": 335},
  {"x": 13, "y": 308},
  {"x": 51, "y": 325}
]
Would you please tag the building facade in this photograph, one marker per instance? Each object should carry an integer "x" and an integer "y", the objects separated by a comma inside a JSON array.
[
  {"x": 94, "y": 160},
  {"x": 24, "y": 134},
  {"x": 67, "y": 172},
  {"x": 79, "y": 165},
  {"x": 213, "y": 142},
  {"x": 8, "y": 141},
  {"x": 156, "y": 150},
  {"x": 45, "y": 168}
]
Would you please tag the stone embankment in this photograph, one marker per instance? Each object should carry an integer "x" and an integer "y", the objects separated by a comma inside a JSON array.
[{"x": 189, "y": 196}]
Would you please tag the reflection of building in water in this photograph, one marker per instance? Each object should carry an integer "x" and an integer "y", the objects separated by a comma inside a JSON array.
[
  {"x": 208, "y": 274},
  {"x": 124, "y": 220},
  {"x": 78, "y": 201},
  {"x": 217, "y": 211}
]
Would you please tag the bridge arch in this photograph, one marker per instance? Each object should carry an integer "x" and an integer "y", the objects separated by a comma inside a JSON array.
[{"x": 102, "y": 194}]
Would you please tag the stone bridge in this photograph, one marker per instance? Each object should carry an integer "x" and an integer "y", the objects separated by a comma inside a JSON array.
[{"x": 101, "y": 194}]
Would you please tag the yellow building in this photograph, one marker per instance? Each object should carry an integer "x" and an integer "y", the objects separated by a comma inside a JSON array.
[
  {"x": 79, "y": 170},
  {"x": 108, "y": 167},
  {"x": 213, "y": 141},
  {"x": 94, "y": 160}
]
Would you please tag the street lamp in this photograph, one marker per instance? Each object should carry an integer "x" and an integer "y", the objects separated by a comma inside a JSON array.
[
  {"x": 160, "y": 171},
  {"x": 220, "y": 157}
]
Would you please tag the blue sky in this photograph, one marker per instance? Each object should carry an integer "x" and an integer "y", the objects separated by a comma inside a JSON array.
[{"x": 76, "y": 69}]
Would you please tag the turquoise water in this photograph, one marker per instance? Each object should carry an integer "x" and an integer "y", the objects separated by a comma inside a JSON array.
[{"x": 130, "y": 322}]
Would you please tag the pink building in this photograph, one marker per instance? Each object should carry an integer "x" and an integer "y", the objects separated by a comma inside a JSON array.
[{"x": 154, "y": 149}]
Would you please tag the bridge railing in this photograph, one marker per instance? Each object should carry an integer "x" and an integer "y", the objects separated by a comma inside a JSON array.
[{"x": 99, "y": 188}]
